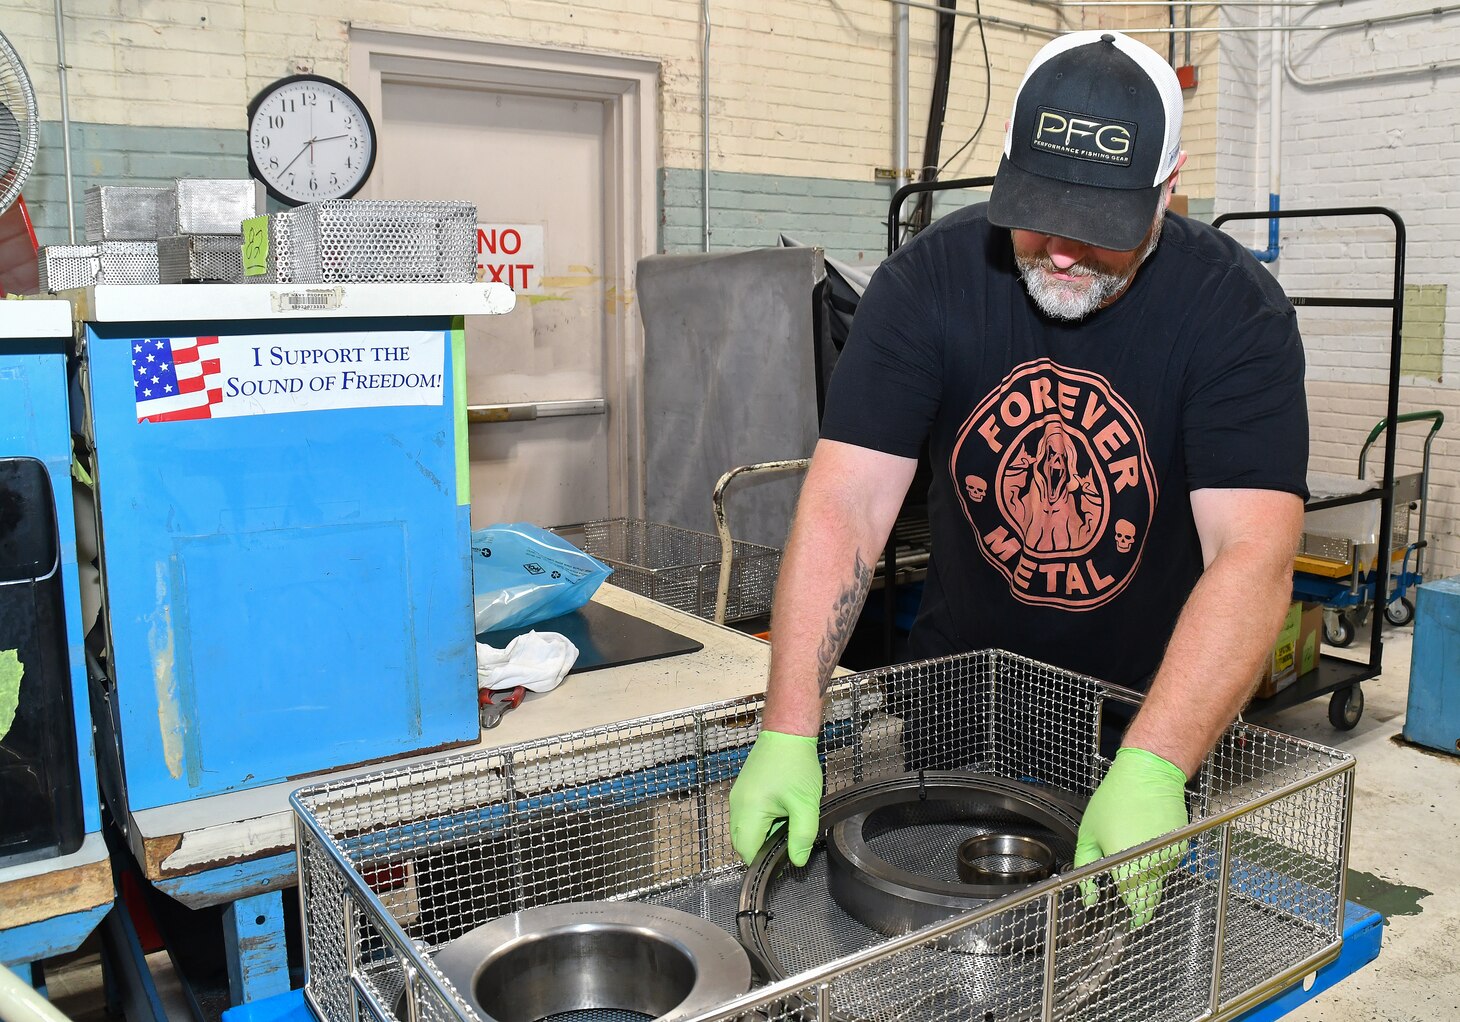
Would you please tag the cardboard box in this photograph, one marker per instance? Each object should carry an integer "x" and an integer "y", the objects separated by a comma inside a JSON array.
[{"x": 1296, "y": 650}]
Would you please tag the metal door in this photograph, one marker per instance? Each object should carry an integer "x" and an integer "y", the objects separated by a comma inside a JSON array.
[{"x": 534, "y": 164}]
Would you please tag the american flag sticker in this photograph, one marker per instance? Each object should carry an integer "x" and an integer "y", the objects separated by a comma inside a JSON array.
[{"x": 176, "y": 378}]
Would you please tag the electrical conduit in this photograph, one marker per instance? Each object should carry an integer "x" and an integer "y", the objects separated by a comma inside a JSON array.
[{"x": 1274, "y": 140}]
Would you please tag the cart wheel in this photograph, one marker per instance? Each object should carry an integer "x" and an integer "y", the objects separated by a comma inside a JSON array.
[
  {"x": 1340, "y": 633},
  {"x": 1346, "y": 707},
  {"x": 1400, "y": 612}
]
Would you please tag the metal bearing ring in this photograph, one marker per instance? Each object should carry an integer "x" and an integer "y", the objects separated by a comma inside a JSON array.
[{"x": 587, "y": 956}]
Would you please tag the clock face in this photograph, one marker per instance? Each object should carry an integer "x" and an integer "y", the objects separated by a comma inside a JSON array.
[{"x": 309, "y": 138}]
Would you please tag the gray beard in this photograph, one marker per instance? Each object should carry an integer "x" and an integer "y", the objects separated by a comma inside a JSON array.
[{"x": 1059, "y": 300}]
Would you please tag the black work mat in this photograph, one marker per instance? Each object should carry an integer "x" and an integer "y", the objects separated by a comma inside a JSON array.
[{"x": 605, "y": 637}]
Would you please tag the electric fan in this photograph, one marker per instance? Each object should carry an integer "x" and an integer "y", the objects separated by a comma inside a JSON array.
[
  {"x": 18, "y": 126},
  {"x": 19, "y": 270}
]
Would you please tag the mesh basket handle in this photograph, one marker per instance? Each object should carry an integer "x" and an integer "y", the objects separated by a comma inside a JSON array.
[{"x": 722, "y": 590}]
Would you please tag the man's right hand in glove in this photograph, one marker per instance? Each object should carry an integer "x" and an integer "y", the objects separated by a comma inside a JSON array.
[{"x": 781, "y": 780}]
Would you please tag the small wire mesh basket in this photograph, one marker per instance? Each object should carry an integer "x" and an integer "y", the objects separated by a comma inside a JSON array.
[
  {"x": 343, "y": 240},
  {"x": 680, "y": 567},
  {"x": 126, "y": 213},
  {"x": 186, "y": 258},
  {"x": 396, "y": 865},
  {"x": 63, "y": 267},
  {"x": 127, "y": 262}
]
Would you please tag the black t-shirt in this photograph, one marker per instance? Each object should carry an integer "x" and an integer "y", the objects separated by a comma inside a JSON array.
[{"x": 1063, "y": 454}]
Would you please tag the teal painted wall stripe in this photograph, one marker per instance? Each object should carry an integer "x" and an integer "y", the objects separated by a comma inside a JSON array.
[
  {"x": 114, "y": 154},
  {"x": 846, "y": 218}
]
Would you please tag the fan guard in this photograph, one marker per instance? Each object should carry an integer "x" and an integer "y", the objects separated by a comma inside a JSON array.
[{"x": 19, "y": 127}]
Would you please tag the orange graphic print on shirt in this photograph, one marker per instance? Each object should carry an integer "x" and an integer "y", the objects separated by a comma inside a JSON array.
[{"x": 1056, "y": 483}]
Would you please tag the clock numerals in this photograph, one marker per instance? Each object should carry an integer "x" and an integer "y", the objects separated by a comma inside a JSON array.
[{"x": 326, "y": 153}]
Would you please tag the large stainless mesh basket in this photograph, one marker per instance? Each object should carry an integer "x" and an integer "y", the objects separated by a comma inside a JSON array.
[
  {"x": 342, "y": 240},
  {"x": 396, "y": 864},
  {"x": 680, "y": 568}
]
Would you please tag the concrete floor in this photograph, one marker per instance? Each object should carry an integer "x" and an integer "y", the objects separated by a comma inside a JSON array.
[
  {"x": 1406, "y": 831},
  {"x": 1403, "y": 862}
]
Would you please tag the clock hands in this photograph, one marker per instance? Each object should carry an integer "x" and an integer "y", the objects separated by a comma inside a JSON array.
[
  {"x": 300, "y": 153},
  {"x": 309, "y": 146}
]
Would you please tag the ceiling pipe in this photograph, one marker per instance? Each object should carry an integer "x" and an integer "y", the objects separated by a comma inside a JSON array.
[{"x": 705, "y": 123}]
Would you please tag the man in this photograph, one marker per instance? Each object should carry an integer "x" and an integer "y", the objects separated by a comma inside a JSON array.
[{"x": 1112, "y": 398}]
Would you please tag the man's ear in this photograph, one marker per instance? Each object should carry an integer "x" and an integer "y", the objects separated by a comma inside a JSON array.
[{"x": 1169, "y": 189}]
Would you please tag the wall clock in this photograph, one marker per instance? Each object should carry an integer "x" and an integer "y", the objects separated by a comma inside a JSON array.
[{"x": 309, "y": 138}]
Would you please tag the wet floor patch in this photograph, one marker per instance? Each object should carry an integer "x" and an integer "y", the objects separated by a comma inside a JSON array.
[{"x": 1385, "y": 897}]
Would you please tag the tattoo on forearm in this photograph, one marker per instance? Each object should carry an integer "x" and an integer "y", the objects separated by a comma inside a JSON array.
[{"x": 848, "y": 606}]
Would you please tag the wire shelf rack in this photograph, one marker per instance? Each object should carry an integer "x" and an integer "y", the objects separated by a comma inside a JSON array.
[{"x": 396, "y": 864}]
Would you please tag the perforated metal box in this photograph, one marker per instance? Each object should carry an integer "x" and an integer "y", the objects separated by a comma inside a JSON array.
[
  {"x": 680, "y": 567},
  {"x": 63, "y": 267},
  {"x": 395, "y": 865},
  {"x": 343, "y": 240},
  {"x": 126, "y": 213},
  {"x": 216, "y": 258},
  {"x": 127, "y": 262},
  {"x": 210, "y": 205}
]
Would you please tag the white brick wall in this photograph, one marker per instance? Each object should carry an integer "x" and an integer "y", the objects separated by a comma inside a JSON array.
[
  {"x": 797, "y": 87},
  {"x": 1357, "y": 140}
]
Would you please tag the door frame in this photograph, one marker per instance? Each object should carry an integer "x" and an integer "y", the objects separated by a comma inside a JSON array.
[{"x": 628, "y": 88}]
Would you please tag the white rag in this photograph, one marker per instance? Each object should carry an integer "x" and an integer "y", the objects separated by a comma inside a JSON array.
[{"x": 538, "y": 661}]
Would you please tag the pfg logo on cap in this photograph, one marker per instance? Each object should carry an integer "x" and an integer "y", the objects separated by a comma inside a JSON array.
[{"x": 1084, "y": 138}]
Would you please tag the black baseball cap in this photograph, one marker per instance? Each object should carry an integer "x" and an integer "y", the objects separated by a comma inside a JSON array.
[{"x": 1096, "y": 131}]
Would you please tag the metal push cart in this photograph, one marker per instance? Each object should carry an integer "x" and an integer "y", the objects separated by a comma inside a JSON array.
[
  {"x": 1338, "y": 562},
  {"x": 1339, "y": 678}
]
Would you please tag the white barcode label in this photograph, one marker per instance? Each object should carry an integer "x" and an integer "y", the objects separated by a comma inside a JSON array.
[{"x": 313, "y": 300}]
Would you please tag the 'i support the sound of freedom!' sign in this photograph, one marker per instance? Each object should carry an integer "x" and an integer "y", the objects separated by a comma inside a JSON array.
[{"x": 220, "y": 377}]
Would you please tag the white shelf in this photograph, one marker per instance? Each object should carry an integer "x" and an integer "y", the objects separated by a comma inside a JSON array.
[
  {"x": 176, "y": 303},
  {"x": 34, "y": 318}
]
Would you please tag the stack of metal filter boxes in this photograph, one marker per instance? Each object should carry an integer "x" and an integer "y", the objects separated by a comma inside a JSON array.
[{"x": 188, "y": 231}]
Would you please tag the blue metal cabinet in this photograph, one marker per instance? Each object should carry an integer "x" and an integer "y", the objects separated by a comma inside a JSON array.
[
  {"x": 286, "y": 553},
  {"x": 35, "y": 440},
  {"x": 35, "y": 424},
  {"x": 1433, "y": 717}
]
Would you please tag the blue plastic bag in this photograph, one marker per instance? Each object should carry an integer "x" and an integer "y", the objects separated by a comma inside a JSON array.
[{"x": 522, "y": 574}]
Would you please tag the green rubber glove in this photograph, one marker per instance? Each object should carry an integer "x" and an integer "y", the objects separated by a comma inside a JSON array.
[
  {"x": 1142, "y": 797},
  {"x": 781, "y": 780}
]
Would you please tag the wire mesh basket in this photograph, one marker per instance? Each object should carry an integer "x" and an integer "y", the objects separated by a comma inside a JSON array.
[
  {"x": 680, "y": 567},
  {"x": 342, "y": 240},
  {"x": 126, "y": 213},
  {"x": 63, "y": 267},
  {"x": 200, "y": 257},
  {"x": 397, "y": 864}
]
